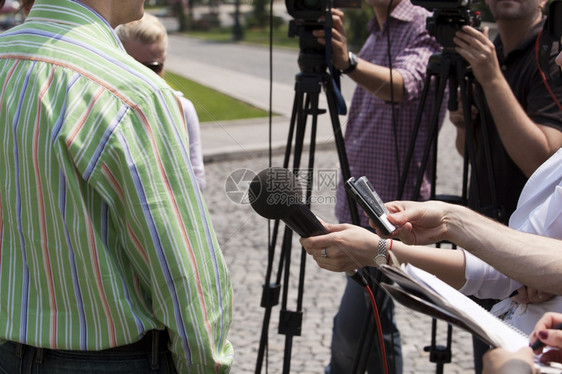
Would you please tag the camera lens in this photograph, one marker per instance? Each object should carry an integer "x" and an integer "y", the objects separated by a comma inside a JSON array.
[{"x": 309, "y": 4}]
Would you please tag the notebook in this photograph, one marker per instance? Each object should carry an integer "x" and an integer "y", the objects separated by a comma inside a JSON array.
[{"x": 425, "y": 293}]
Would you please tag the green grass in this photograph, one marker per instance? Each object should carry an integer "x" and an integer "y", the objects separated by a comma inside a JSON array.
[
  {"x": 212, "y": 105},
  {"x": 252, "y": 36}
]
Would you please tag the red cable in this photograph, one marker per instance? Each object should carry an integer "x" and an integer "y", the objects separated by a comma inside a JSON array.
[
  {"x": 543, "y": 76},
  {"x": 379, "y": 328}
]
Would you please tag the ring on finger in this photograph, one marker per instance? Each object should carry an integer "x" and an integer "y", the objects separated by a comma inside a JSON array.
[{"x": 323, "y": 253}]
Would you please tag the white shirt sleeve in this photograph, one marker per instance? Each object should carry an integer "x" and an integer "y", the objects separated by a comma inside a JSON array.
[
  {"x": 194, "y": 132},
  {"x": 539, "y": 211},
  {"x": 484, "y": 281}
]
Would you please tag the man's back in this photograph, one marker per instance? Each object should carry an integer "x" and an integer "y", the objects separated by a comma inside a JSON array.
[{"x": 105, "y": 234}]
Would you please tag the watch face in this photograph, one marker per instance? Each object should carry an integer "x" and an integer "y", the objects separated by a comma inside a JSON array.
[{"x": 381, "y": 260}]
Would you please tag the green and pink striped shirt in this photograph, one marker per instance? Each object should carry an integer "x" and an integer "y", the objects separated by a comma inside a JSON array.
[{"x": 104, "y": 233}]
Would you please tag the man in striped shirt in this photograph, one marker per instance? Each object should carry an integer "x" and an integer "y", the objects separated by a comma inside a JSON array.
[{"x": 106, "y": 245}]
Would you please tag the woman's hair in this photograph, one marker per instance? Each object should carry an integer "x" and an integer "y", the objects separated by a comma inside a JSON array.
[{"x": 147, "y": 30}]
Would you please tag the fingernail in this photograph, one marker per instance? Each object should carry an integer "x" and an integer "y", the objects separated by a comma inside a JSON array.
[{"x": 543, "y": 334}]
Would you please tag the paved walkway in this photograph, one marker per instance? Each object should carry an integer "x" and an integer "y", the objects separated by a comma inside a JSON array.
[{"x": 229, "y": 146}]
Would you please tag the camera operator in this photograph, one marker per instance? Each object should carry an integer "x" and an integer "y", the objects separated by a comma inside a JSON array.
[
  {"x": 527, "y": 119},
  {"x": 377, "y": 141},
  {"x": 527, "y": 123}
]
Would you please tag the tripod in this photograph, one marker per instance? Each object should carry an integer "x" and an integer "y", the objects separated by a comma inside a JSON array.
[
  {"x": 452, "y": 68},
  {"x": 308, "y": 84}
]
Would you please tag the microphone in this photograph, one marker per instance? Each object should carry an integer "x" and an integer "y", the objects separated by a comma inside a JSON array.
[{"x": 275, "y": 193}]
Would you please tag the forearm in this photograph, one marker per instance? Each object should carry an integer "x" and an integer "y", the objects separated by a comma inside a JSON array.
[
  {"x": 446, "y": 264},
  {"x": 529, "y": 259},
  {"x": 527, "y": 143},
  {"x": 502, "y": 361},
  {"x": 349, "y": 247},
  {"x": 377, "y": 80}
]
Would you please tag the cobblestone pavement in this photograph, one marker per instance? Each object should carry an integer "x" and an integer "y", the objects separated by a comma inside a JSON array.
[{"x": 243, "y": 237}]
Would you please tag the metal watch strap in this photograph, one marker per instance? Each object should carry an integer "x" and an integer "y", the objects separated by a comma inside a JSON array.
[
  {"x": 352, "y": 63},
  {"x": 382, "y": 256}
]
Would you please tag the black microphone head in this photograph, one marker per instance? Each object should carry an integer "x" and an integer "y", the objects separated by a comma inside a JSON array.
[{"x": 275, "y": 193}]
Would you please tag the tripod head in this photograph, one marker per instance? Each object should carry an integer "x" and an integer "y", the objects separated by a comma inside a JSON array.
[
  {"x": 310, "y": 15},
  {"x": 446, "y": 22},
  {"x": 448, "y": 17},
  {"x": 312, "y": 55}
]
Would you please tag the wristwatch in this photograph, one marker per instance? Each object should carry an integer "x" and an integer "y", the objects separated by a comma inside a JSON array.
[
  {"x": 382, "y": 256},
  {"x": 352, "y": 63}
]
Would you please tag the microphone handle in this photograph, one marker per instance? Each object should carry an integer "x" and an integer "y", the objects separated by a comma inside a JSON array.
[{"x": 305, "y": 223}]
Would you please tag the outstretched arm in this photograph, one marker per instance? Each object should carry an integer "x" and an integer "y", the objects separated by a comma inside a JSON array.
[
  {"x": 349, "y": 247},
  {"x": 533, "y": 260}
]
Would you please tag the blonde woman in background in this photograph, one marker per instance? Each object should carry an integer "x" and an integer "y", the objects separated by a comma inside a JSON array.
[{"x": 146, "y": 40}]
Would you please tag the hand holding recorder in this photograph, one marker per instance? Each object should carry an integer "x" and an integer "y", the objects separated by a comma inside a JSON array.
[{"x": 365, "y": 195}]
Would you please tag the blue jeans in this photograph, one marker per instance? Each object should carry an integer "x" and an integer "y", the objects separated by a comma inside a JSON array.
[
  {"x": 16, "y": 358},
  {"x": 354, "y": 314}
]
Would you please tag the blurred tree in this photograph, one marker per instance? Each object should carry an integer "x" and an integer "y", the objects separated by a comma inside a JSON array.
[
  {"x": 237, "y": 31},
  {"x": 179, "y": 10},
  {"x": 260, "y": 14},
  {"x": 356, "y": 21}
]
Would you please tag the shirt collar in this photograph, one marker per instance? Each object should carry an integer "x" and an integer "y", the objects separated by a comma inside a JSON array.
[
  {"x": 402, "y": 13},
  {"x": 530, "y": 38},
  {"x": 71, "y": 12}
]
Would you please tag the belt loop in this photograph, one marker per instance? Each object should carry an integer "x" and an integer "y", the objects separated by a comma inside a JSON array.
[
  {"x": 155, "y": 349},
  {"x": 19, "y": 350},
  {"x": 39, "y": 353}
]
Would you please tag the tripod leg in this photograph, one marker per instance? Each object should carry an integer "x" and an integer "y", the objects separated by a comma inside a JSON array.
[
  {"x": 484, "y": 121},
  {"x": 340, "y": 146},
  {"x": 435, "y": 68},
  {"x": 291, "y": 321},
  {"x": 465, "y": 91},
  {"x": 270, "y": 295},
  {"x": 433, "y": 130}
]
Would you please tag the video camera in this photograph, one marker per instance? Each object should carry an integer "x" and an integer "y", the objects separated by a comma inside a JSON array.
[
  {"x": 448, "y": 17},
  {"x": 311, "y": 15},
  {"x": 311, "y": 11}
]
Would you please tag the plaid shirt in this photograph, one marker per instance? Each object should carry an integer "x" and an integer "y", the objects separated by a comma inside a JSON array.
[{"x": 370, "y": 133}]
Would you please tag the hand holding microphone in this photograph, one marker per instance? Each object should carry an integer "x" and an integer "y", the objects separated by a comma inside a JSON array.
[{"x": 275, "y": 193}]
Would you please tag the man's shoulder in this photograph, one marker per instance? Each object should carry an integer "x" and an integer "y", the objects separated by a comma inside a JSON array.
[{"x": 413, "y": 13}]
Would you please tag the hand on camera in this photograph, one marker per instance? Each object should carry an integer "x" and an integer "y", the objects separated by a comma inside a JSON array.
[
  {"x": 479, "y": 51},
  {"x": 340, "y": 57}
]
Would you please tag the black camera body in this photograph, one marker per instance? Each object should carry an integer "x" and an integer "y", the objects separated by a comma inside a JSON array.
[
  {"x": 310, "y": 15},
  {"x": 310, "y": 12},
  {"x": 448, "y": 17}
]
